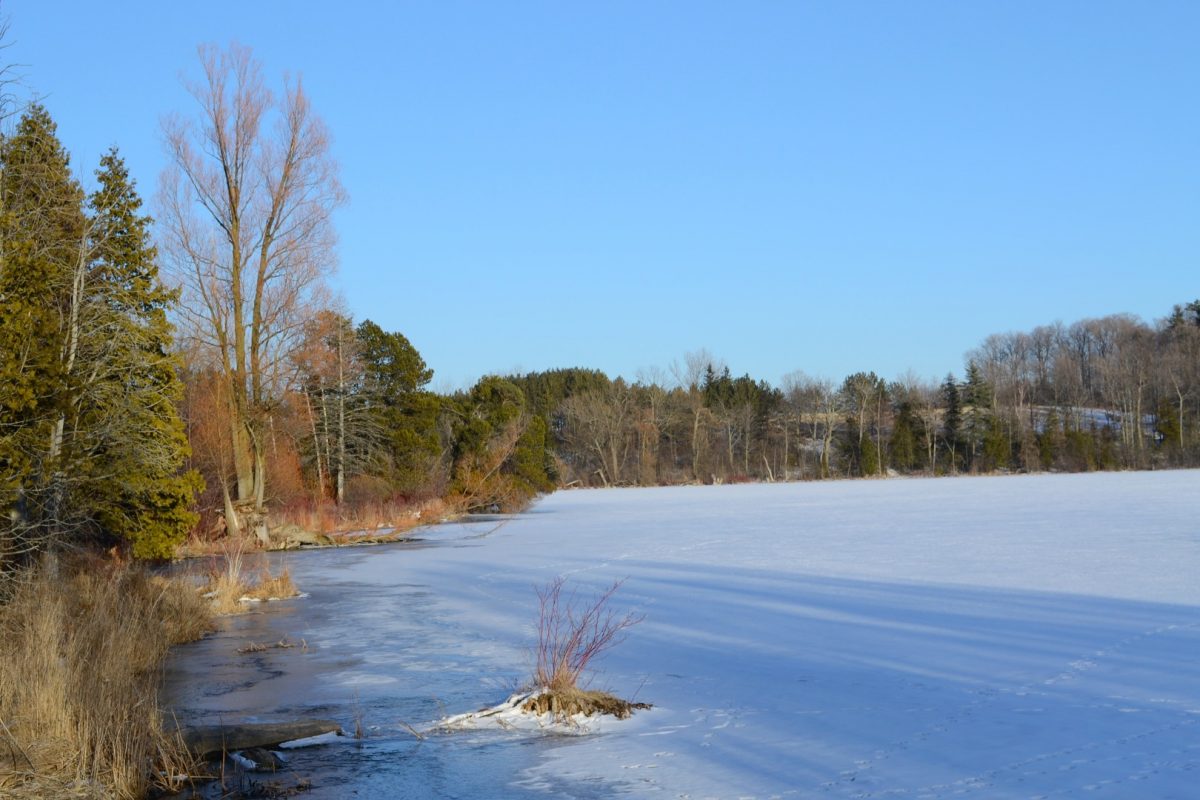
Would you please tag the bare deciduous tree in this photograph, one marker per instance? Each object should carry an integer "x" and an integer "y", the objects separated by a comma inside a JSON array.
[
  {"x": 601, "y": 424},
  {"x": 246, "y": 209}
]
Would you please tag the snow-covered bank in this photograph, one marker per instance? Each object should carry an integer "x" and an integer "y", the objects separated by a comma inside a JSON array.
[{"x": 985, "y": 637}]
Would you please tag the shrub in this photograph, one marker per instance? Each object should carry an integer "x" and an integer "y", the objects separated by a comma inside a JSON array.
[{"x": 573, "y": 633}]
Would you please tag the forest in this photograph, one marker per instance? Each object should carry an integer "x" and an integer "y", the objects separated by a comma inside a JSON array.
[{"x": 192, "y": 375}]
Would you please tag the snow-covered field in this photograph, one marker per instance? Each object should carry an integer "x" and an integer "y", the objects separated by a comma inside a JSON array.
[{"x": 1010, "y": 637}]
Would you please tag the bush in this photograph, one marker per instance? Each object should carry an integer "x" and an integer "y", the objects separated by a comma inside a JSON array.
[{"x": 573, "y": 633}]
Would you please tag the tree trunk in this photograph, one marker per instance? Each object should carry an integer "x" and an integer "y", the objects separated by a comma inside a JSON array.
[
  {"x": 233, "y": 526},
  {"x": 243, "y": 458},
  {"x": 312, "y": 421},
  {"x": 216, "y": 740}
]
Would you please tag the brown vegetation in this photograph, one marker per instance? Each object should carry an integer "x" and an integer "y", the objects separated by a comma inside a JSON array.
[
  {"x": 80, "y": 652},
  {"x": 567, "y": 703},
  {"x": 273, "y": 587},
  {"x": 572, "y": 633},
  {"x": 237, "y": 577}
]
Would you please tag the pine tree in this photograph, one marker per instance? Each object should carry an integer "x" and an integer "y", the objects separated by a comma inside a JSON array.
[
  {"x": 904, "y": 453},
  {"x": 500, "y": 457},
  {"x": 977, "y": 397},
  {"x": 407, "y": 414}
]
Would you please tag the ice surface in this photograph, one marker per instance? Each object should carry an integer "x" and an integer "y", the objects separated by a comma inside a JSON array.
[{"x": 1008, "y": 637}]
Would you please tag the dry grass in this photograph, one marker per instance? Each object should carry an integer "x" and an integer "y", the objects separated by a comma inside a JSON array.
[
  {"x": 81, "y": 647},
  {"x": 570, "y": 702},
  {"x": 273, "y": 587},
  {"x": 237, "y": 577},
  {"x": 227, "y": 581},
  {"x": 395, "y": 514}
]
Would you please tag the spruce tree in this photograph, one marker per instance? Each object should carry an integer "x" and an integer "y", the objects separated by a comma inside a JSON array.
[
  {"x": 904, "y": 453},
  {"x": 977, "y": 399},
  {"x": 395, "y": 379}
]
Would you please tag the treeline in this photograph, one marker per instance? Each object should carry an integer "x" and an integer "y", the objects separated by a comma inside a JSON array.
[
  {"x": 242, "y": 399},
  {"x": 357, "y": 428},
  {"x": 1110, "y": 393}
]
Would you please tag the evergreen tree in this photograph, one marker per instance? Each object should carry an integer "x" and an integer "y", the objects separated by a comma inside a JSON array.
[
  {"x": 126, "y": 423},
  {"x": 41, "y": 242},
  {"x": 951, "y": 420},
  {"x": 91, "y": 442},
  {"x": 1050, "y": 440},
  {"x": 904, "y": 452},
  {"x": 997, "y": 447},
  {"x": 977, "y": 398},
  {"x": 1186, "y": 314},
  {"x": 500, "y": 457},
  {"x": 395, "y": 380}
]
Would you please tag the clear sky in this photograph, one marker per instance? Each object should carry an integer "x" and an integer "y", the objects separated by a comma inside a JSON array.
[{"x": 826, "y": 186}]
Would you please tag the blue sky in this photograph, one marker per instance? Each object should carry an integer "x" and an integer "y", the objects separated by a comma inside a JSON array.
[{"x": 807, "y": 185}]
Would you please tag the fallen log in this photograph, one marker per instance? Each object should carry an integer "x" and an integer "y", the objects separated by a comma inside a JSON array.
[{"x": 213, "y": 740}]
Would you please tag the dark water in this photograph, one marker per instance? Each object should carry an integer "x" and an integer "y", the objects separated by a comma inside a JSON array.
[{"x": 372, "y": 650}]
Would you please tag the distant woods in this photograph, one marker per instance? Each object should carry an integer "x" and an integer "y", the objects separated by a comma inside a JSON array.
[
  {"x": 230, "y": 395},
  {"x": 1110, "y": 393}
]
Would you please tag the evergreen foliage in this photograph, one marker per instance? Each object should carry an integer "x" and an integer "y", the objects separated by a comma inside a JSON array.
[
  {"x": 903, "y": 445},
  {"x": 128, "y": 418},
  {"x": 499, "y": 451},
  {"x": 91, "y": 443},
  {"x": 395, "y": 377},
  {"x": 41, "y": 232},
  {"x": 978, "y": 421},
  {"x": 951, "y": 420}
]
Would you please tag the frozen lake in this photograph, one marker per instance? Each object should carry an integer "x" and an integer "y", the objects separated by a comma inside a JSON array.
[{"x": 1007, "y": 637}]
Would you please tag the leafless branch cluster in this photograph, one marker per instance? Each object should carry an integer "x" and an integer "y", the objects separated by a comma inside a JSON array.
[
  {"x": 574, "y": 632},
  {"x": 246, "y": 210}
]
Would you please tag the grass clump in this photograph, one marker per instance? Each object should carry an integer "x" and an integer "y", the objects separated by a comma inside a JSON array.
[
  {"x": 81, "y": 649},
  {"x": 566, "y": 703},
  {"x": 233, "y": 580},
  {"x": 273, "y": 587},
  {"x": 572, "y": 633}
]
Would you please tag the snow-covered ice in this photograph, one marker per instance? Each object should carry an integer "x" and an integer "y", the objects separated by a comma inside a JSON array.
[{"x": 1008, "y": 637}]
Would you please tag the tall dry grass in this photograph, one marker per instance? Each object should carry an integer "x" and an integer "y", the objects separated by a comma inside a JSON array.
[
  {"x": 238, "y": 575},
  {"x": 227, "y": 579},
  {"x": 81, "y": 649},
  {"x": 397, "y": 513}
]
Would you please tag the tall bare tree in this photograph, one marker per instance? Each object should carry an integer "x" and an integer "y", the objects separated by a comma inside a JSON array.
[
  {"x": 689, "y": 377},
  {"x": 246, "y": 209}
]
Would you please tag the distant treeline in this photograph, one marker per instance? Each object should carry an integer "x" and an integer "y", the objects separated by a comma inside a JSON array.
[{"x": 1108, "y": 393}]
